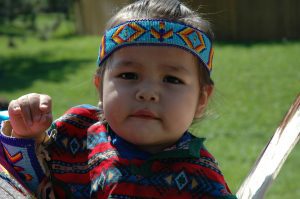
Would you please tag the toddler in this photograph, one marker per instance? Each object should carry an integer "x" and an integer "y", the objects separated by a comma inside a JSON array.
[{"x": 154, "y": 61}]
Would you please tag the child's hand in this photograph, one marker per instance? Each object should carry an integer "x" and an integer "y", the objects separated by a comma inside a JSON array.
[{"x": 30, "y": 115}]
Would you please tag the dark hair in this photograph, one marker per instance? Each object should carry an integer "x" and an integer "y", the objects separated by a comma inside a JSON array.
[{"x": 172, "y": 10}]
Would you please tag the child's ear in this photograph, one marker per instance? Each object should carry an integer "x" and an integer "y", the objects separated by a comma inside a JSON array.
[
  {"x": 203, "y": 100},
  {"x": 97, "y": 82}
]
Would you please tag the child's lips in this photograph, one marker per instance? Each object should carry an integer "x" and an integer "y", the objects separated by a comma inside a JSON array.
[{"x": 145, "y": 114}]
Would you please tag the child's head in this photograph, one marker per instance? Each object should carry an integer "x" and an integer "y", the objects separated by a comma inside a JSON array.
[
  {"x": 172, "y": 10},
  {"x": 151, "y": 89}
]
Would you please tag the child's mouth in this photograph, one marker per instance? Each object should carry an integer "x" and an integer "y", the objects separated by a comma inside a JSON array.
[{"x": 145, "y": 114}]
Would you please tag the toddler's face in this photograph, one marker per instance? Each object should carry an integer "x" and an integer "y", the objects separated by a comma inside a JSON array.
[{"x": 151, "y": 95}]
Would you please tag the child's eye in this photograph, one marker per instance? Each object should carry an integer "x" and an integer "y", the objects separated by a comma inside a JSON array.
[
  {"x": 128, "y": 76},
  {"x": 172, "y": 80}
]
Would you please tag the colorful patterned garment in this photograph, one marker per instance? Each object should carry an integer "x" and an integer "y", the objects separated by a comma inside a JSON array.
[
  {"x": 88, "y": 160},
  {"x": 10, "y": 182}
]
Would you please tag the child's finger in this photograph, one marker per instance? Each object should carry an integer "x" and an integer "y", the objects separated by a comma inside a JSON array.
[
  {"x": 34, "y": 103},
  {"x": 25, "y": 110},
  {"x": 14, "y": 108},
  {"x": 45, "y": 103},
  {"x": 47, "y": 119}
]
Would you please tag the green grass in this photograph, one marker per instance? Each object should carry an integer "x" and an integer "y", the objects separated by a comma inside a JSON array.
[
  {"x": 62, "y": 68},
  {"x": 255, "y": 85}
]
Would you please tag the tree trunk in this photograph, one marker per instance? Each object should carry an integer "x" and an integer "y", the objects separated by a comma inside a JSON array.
[{"x": 92, "y": 15}]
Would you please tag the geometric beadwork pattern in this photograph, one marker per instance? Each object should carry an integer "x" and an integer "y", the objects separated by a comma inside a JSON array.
[
  {"x": 70, "y": 144},
  {"x": 76, "y": 120},
  {"x": 181, "y": 180},
  {"x": 157, "y": 32},
  {"x": 74, "y": 145},
  {"x": 95, "y": 139},
  {"x": 13, "y": 158},
  {"x": 196, "y": 183},
  {"x": 110, "y": 176},
  {"x": 23, "y": 160}
]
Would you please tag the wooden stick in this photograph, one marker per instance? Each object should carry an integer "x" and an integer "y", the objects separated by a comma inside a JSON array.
[{"x": 270, "y": 161}]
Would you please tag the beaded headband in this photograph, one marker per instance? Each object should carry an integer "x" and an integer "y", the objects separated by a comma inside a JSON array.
[{"x": 157, "y": 32}]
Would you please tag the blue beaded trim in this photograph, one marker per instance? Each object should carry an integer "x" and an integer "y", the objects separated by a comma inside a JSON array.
[
  {"x": 28, "y": 162},
  {"x": 157, "y": 32}
]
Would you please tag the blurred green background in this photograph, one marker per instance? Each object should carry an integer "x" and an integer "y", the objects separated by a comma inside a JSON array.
[{"x": 256, "y": 81}]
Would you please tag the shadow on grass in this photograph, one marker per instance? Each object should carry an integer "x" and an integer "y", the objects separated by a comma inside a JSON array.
[{"x": 21, "y": 72}]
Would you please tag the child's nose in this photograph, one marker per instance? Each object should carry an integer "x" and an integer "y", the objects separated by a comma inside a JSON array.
[{"x": 147, "y": 94}]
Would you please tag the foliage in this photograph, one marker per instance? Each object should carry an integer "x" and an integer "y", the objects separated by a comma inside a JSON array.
[{"x": 19, "y": 17}]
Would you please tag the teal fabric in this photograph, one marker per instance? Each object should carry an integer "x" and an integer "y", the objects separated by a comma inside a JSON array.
[
  {"x": 3, "y": 116},
  {"x": 157, "y": 32}
]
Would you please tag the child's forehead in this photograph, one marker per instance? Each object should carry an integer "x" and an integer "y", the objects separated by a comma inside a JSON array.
[
  {"x": 141, "y": 51},
  {"x": 172, "y": 57}
]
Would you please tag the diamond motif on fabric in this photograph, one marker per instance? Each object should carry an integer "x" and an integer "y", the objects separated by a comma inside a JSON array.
[
  {"x": 193, "y": 39},
  {"x": 181, "y": 180},
  {"x": 74, "y": 145},
  {"x": 128, "y": 33},
  {"x": 162, "y": 33}
]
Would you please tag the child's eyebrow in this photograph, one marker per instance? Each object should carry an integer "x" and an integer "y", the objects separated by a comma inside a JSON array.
[
  {"x": 126, "y": 63},
  {"x": 176, "y": 68},
  {"x": 167, "y": 67}
]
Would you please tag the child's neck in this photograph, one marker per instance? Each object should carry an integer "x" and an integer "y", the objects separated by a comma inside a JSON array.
[{"x": 153, "y": 149}]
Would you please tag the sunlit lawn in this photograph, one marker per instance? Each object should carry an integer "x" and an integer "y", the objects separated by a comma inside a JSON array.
[{"x": 255, "y": 85}]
